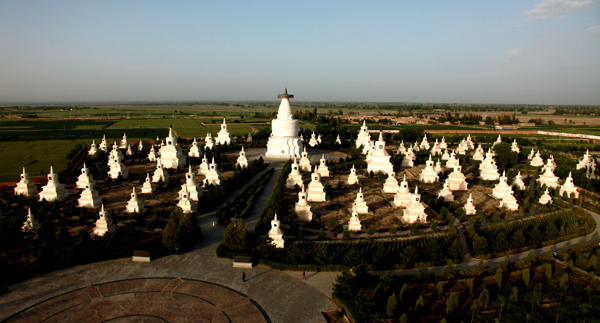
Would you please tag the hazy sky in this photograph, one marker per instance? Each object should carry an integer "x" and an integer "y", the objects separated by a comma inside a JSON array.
[{"x": 508, "y": 51}]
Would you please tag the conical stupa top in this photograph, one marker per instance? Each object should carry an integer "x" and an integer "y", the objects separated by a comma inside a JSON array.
[
  {"x": 429, "y": 157},
  {"x": 404, "y": 180},
  {"x": 26, "y": 172},
  {"x": 93, "y": 141},
  {"x": 147, "y": 177},
  {"x": 29, "y": 214},
  {"x": 323, "y": 156},
  {"x": 133, "y": 190},
  {"x": 417, "y": 189},
  {"x": 102, "y": 212},
  {"x": 303, "y": 190},
  {"x": 569, "y": 175},
  {"x": 504, "y": 173},
  {"x": 213, "y": 160},
  {"x": 190, "y": 168},
  {"x": 470, "y": 196},
  {"x": 304, "y": 148},
  {"x": 24, "y": 167},
  {"x": 170, "y": 132},
  {"x": 51, "y": 169},
  {"x": 380, "y": 136},
  {"x": 184, "y": 188},
  {"x": 364, "y": 123},
  {"x": 295, "y": 162},
  {"x": 360, "y": 189},
  {"x": 224, "y": 121},
  {"x": 243, "y": 150},
  {"x": 275, "y": 217}
]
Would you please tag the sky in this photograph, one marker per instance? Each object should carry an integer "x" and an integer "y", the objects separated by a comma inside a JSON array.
[{"x": 499, "y": 52}]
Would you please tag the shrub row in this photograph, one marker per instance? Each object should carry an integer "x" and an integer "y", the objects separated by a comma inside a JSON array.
[
  {"x": 275, "y": 203},
  {"x": 241, "y": 206}
]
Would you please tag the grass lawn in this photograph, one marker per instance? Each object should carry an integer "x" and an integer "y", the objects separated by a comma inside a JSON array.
[{"x": 35, "y": 155}]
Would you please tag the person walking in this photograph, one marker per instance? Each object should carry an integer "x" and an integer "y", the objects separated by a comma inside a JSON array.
[
  {"x": 243, "y": 276},
  {"x": 303, "y": 275}
]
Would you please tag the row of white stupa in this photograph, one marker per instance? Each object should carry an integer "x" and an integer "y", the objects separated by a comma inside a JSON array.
[{"x": 103, "y": 225}]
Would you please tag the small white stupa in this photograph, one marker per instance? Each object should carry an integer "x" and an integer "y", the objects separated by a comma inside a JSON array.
[
  {"x": 537, "y": 160},
  {"x": 104, "y": 224},
  {"x": 354, "y": 223},
  {"x": 391, "y": 183},
  {"x": 152, "y": 155},
  {"x": 379, "y": 158},
  {"x": 364, "y": 138},
  {"x": 569, "y": 187},
  {"x": 403, "y": 196},
  {"x": 408, "y": 161},
  {"x": 436, "y": 150},
  {"x": 53, "y": 191},
  {"x": 85, "y": 178},
  {"x": 478, "y": 155},
  {"x": 224, "y": 137},
  {"x": 488, "y": 168},
  {"x": 148, "y": 187},
  {"x": 124, "y": 142},
  {"x": 428, "y": 175},
  {"x": 135, "y": 205},
  {"x": 456, "y": 180},
  {"x": 451, "y": 162},
  {"x": 295, "y": 177},
  {"x": 115, "y": 155},
  {"x": 319, "y": 139},
  {"x": 438, "y": 167},
  {"x": 213, "y": 176},
  {"x": 510, "y": 202},
  {"x": 470, "y": 143},
  {"x": 424, "y": 143},
  {"x": 502, "y": 188},
  {"x": 117, "y": 168},
  {"x": 586, "y": 161},
  {"x": 415, "y": 146},
  {"x": 104, "y": 145},
  {"x": 209, "y": 143},
  {"x": 284, "y": 141},
  {"x": 93, "y": 148},
  {"x": 194, "y": 149},
  {"x": 401, "y": 148},
  {"x": 203, "y": 169},
  {"x": 531, "y": 154},
  {"x": 443, "y": 144},
  {"x": 446, "y": 193},
  {"x": 545, "y": 198},
  {"x": 242, "y": 161},
  {"x": 499, "y": 140},
  {"x": 25, "y": 186},
  {"x": 129, "y": 151},
  {"x": 462, "y": 147},
  {"x": 190, "y": 184},
  {"x": 276, "y": 234},
  {"x": 31, "y": 224},
  {"x": 185, "y": 202},
  {"x": 415, "y": 211},
  {"x": 140, "y": 146},
  {"x": 302, "y": 207},
  {"x": 549, "y": 164},
  {"x": 338, "y": 140},
  {"x": 548, "y": 178},
  {"x": 316, "y": 190},
  {"x": 352, "y": 178},
  {"x": 445, "y": 155},
  {"x": 89, "y": 197},
  {"x": 360, "y": 205},
  {"x": 313, "y": 140},
  {"x": 515, "y": 147},
  {"x": 171, "y": 154},
  {"x": 305, "y": 162},
  {"x": 159, "y": 173},
  {"x": 469, "y": 207},
  {"x": 323, "y": 169},
  {"x": 518, "y": 181},
  {"x": 249, "y": 138}
]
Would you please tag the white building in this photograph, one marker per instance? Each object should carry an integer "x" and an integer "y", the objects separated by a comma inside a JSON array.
[{"x": 284, "y": 141}]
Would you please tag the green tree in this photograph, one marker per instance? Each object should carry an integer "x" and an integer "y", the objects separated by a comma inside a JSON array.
[
  {"x": 420, "y": 303},
  {"x": 505, "y": 157},
  {"x": 525, "y": 277},
  {"x": 514, "y": 295},
  {"x": 548, "y": 272},
  {"x": 518, "y": 240},
  {"x": 592, "y": 262},
  {"x": 480, "y": 245},
  {"x": 564, "y": 282},
  {"x": 500, "y": 242},
  {"x": 455, "y": 251},
  {"x": 235, "y": 236},
  {"x": 392, "y": 305},
  {"x": 452, "y": 303},
  {"x": 449, "y": 269},
  {"x": 440, "y": 288},
  {"x": 181, "y": 231},
  {"x": 404, "y": 318},
  {"x": 402, "y": 290},
  {"x": 498, "y": 277},
  {"x": 551, "y": 231},
  {"x": 484, "y": 298}
]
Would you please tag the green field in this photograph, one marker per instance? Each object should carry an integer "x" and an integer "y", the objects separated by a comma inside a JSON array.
[
  {"x": 586, "y": 130},
  {"x": 36, "y": 156}
]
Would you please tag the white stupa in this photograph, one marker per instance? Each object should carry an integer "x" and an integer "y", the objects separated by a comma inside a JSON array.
[
  {"x": 415, "y": 211},
  {"x": 129, "y": 151},
  {"x": 305, "y": 162},
  {"x": 152, "y": 155},
  {"x": 548, "y": 178},
  {"x": 319, "y": 139},
  {"x": 124, "y": 142},
  {"x": 469, "y": 207},
  {"x": 446, "y": 193},
  {"x": 401, "y": 148},
  {"x": 159, "y": 173},
  {"x": 85, "y": 178},
  {"x": 117, "y": 168},
  {"x": 276, "y": 234},
  {"x": 569, "y": 187},
  {"x": 53, "y": 191},
  {"x": 462, "y": 147},
  {"x": 171, "y": 154},
  {"x": 302, "y": 207},
  {"x": 249, "y": 138},
  {"x": 364, "y": 138},
  {"x": 391, "y": 184},
  {"x": 443, "y": 144},
  {"x": 242, "y": 161},
  {"x": 470, "y": 143},
  {"x": 515, "y": 147},
  {"x": 140, "y": 146},
  {"x": 545, "y": 198},
  {"x": 408, "y": 161},
  {"x": 104, "y": 145},
  {"x": 89, "y": 197},
  {"x": 223, "y": 136},
  {"x": 352, "y": 178},
  {"x": 451, "y": 162},
  {"x": 323, "y": 169},
  {"x": 135, "y": 205},
  {"x": 531, "y": 154},
  {"x": 284, "y": 141},
  {"x": 93, "y": 148},
  {"x": 436, "y": 150},
  {"x": 438, "y": 167},
  {"x": 209, "y": 143},
  {"x": 510, "y": 202},
  {"x": 403, "y": 196},
  {"x": 115, "y": 155},
  {"x": 456, "y": 180},
  {"x": 213, "y": 176},
  {"x": 488, "y": 168},
  {"x": 360, "y": 204},
  {"x": 518, "y": 181},
  {"x": 537, "y": 160},
  {"x": 424, "y": 143},
  {"x": 313, "y": 140},
  {"x": 316, "y": 190},
  {"x": 354, "y": 223},
  {"x": 445, "y": 155},
  {"x": 25, "y": 186},
  {"x": 338, "y": 140},
  {"x": 31, "y": 224},
  {"x": 549, "y": 164},
  {"x": 586, "y": 161},
  {"x": 186, "y": 204},
  {"x": 190, "y": 184},
  {"x": 194, "y": 149},
  {"x": 203, "y": 169},
  {"x": 104, "y": 224},
  {"x": 499, "y": 140},
  {"x": 428, "y": 175},
  {"x": 295, "y": 177},
  {"x": 379, "y": 158},
  {"x": 502, "y": 188},
  {"x": 478, "y": 155},
  {"x": 148, "y": 187},
  {"x": 416, "y": 146}
]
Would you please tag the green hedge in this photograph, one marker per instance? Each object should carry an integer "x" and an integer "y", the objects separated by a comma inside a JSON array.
[
  {"x": 275, "y": 203},
  {"x": 241, "y": 206}
]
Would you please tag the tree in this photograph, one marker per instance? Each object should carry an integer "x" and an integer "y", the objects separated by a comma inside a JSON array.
[
  {"x": 235, "y": 236},
  {"x": 525, "y": 277},
  {"x": 505, "y": 157},
  {"x": 500, "y": 301},
  {"x": 564, "y": 282},
  {"x": 480, "y": 245},
  {"x": 514, "y": 295},
  {"x": 423, "y": 271},
  {"x": 455, "y": 251},
  {"x": 420, "y": 303},
  {"x": 440, "y": 288},
  {"x": 181, "y": 231},
  {"x": 500, "y": 243},
  {"x": 452, "y": 303},
  {"x": 518, "y": 240},
  {"x": 592, "y": 262},
  {"x": 404, "y": 318},
  {"x": 498, "y": 277},
  {"x": 551, "y": 231},
  {"x": 484, "y": 298},
  {"x": 548, "y": 272},
  {"x": 392, "y": 305},
  {"x": 402, "y": 290},
  {"x": 449, "y": 269}
]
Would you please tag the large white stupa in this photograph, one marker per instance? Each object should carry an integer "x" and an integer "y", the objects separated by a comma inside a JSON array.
[
  {"x": 379, "y": 159},
  {"x": 171, "y": 154},
  {"x": 54, "y": 190},
  {"x": 284, "y": 141},
  {"x": 25, "y": 186},
  {"x": 224, "y": 137}
]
